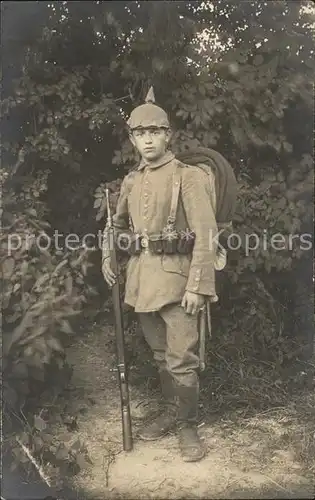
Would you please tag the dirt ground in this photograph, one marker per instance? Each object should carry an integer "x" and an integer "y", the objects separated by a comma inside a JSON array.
[{"x": 251, "y": 458}]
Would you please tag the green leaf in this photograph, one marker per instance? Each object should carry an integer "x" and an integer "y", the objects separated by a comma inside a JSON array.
[
  {"x": 62, "y": 453},
  {"x": 82, "y": 461},
  {"x": 197, "y": 120},
  {"x": 55, "y": 344},
  {"x": 31, "y": 211},
  {"x": 252, "y": 265},
  {"x": 65, "y": 327},
  {"x": 76, "y": 445},
  {"x": 8, "y": 268},
  {"x": 99, "y": 216},
  {"x": 219, "y": 108},
  {"x": 98, "y": 202},
  {"x": 13, "y": 317},
  {"x": 39, "y": 423},
  {"x": 10, "y": 396},
  {"x": 14, "y": 466},
  {"x": 65, "y": 437},
  {"x": 69, "y": 284},
  {"x": 47, "y": 437},
  {"x": 41, "y": 280},
  {"x": 287, "y": 147},
  {"x": 38, "y": 442},
  {"x": 267, "y": 266}
]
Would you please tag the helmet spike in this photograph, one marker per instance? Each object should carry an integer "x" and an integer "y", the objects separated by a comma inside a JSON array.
[{"x": 150, "y": 96}]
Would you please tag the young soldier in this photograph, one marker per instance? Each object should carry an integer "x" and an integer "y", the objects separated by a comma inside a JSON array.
[{"x": 167, "y": 288}]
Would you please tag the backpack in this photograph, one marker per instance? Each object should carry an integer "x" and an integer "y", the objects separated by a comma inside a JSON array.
[
  {"x": 226, "y": 190},
  {"x": 225, "y": 184}
]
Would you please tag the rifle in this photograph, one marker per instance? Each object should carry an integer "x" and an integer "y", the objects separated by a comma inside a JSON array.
[
  {"x": 120, "y": 343},
  {"x": 204, "y": 324}
]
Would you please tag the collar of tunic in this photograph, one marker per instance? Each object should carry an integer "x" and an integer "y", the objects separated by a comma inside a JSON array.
[{"x": 166, "y": 158}]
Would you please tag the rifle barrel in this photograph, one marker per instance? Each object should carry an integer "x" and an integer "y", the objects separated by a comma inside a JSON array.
[{"x": 120, "y": 343}]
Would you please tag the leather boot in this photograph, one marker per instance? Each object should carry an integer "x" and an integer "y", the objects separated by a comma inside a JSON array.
[
  {"x": 191, "y": 447},
  {"x": 166, "y": 421}
]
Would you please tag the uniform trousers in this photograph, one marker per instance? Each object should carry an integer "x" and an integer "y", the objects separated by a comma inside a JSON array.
[{"x": 172, "y": 335}]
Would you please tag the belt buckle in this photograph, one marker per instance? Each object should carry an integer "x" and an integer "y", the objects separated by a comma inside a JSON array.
[{"x": 144, "y": 242}]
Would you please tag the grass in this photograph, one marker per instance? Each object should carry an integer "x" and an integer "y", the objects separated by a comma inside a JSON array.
[{"x": 261, "y": 412}]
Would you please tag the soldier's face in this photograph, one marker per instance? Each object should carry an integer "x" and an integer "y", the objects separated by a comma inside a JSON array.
[{"x": 151, "y": 142}]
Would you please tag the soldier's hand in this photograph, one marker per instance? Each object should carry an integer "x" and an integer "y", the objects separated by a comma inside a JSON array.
[
  {"x": 108, "y": 274},
  {"x": 192, "y": 302}
]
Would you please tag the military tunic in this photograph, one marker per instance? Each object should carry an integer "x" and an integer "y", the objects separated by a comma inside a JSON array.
[{"x": 153, "y": 281}]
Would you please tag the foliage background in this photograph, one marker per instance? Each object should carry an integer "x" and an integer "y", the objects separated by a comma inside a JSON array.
[{"x": 237, "y": 77}]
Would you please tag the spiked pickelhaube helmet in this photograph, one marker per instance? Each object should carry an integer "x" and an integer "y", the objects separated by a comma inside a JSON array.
[{"x": 148, "y": 115}]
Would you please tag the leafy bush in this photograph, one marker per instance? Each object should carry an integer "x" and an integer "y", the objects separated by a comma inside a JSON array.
[{"x": 43, "y": 287}]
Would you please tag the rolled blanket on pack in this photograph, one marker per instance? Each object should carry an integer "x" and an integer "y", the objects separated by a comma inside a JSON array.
[
  {"x": 225, "y": 187},
  {"x": 225, "y": 180}
]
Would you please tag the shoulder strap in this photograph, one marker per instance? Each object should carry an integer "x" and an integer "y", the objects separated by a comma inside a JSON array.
[
  {"x": 175, "y": 195},
  {"x": 176, "y": 190}
]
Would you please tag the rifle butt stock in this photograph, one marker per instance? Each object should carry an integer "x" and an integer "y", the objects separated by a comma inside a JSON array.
[
  {"x": 125, "y": 411},
  {"x": 127, "y": 432}
]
